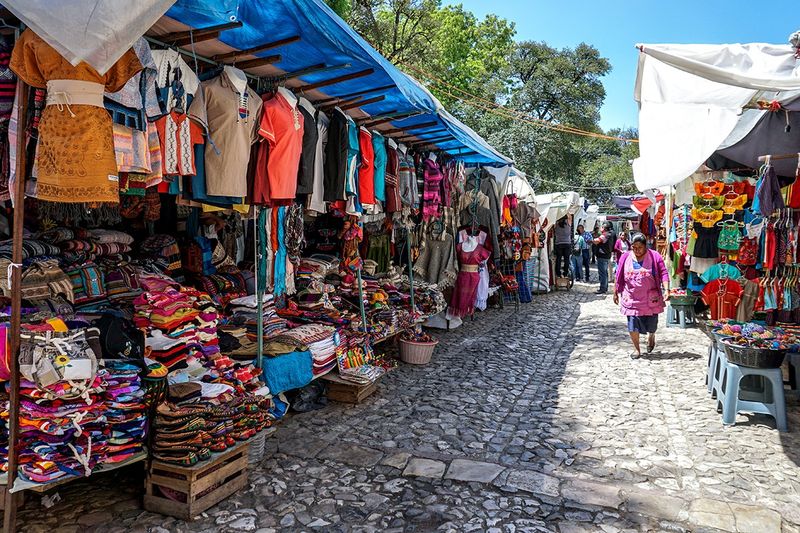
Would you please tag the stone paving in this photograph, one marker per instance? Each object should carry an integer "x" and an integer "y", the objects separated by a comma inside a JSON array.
[{"x": 534, "y": 421}]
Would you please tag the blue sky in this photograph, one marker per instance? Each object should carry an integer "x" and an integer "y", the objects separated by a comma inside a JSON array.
[{"x": 615, "y": 26}]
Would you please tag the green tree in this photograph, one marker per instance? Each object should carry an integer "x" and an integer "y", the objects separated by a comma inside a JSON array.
[
  {"x": 562, "y": 86},
  {"x": 341, "y": 7},
  {"x": 434, "y": 42}
]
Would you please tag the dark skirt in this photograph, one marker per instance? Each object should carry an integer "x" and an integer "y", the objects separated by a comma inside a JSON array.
[{"x": 643, "y": 324}]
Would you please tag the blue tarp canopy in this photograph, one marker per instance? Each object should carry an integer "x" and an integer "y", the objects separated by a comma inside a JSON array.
[{"x": 325, "y": 42}]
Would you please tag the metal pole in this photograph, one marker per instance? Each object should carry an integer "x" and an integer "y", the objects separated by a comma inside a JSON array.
[
  {"x": 363, "y": 312},
  {"x": 410, "y": 269},
  {"x": 257, "y": 223},
  {"x": 10, "y": 513}
]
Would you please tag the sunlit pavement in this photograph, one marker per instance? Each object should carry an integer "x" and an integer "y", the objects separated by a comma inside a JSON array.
[{"x": 528, "y": 421}]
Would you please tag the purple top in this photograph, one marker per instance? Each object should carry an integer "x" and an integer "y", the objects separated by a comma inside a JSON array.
[{"x": 640, "y": 288}]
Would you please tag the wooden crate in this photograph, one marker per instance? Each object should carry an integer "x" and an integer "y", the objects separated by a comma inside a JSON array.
[
  {"x": 343, "y": 391},
  {"x": 201, "y": 486}
]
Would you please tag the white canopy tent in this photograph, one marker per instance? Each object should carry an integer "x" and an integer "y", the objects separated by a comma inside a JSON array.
[
  {"x": 97, "y": 32},
  {"x": 553, "y": 206},
  {"x": 692, "y": 101}
]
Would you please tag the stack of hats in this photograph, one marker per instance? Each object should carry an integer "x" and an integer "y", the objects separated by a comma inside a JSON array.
[{"x": 201, "y": 418}]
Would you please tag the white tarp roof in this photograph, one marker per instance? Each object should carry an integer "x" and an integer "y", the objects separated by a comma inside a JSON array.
[
  {"x": 552, "y": 207},
  {"x": 517, "y": 183},
  {"x": 98, "y": 32},
  {"x": 691, "y": 98}
]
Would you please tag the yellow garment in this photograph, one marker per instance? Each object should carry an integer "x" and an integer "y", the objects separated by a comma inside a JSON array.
[
  {"x": 58, "y": 325},
  {"x": 706, "y": 218},
  {"x": 75, "y": 155},
  {"x": 730, "y": 206}
]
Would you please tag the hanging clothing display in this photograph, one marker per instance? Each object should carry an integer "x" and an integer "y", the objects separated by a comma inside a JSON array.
[
  {"x": 471, "y": 253},
  {"x": 282, "y": 126},
  {"x": 75, "y": 155},
  {"x": 231, "y": 122}
]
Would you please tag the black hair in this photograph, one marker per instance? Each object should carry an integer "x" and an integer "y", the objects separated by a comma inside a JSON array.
[{"x": 638, "y": 238}]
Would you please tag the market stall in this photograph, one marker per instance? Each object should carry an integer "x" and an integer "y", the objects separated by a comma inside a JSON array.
[
  {"x": 552, "y": 208},
  {"x": 204, "y": 218},
  {"x": 725, "y": 115}
]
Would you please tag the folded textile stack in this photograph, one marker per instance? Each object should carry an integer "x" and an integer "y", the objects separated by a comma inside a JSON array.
[
  {"x": 244, "y": 312},
  {"x": 88, "y": 245},
  {"x": 63, "y": 424},
  {"x": 223, "y": 286},
  {"x": 126, "y": 412},
  {"x": 321, "y": 341}
]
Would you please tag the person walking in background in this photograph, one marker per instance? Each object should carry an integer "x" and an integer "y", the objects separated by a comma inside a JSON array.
[
  {"x": 586, "y": 251},
  {"x": 603, "y": 255},
  {"x": 563, "y": 246},
  {"x": 621, "y": 246},
  {"x": 640, "y": 289},
  {"x": 578, "y": 247}
]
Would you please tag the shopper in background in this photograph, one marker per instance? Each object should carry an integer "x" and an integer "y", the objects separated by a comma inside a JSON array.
[
  {"x": 621, "y": 246},
  {"x": 603, "y": 254},
  {"x": 640, "y": 289},
  {"x": 579, "y": 246},
  {"x": 563, "y": 248},
  {"x": 586, "y": 251}
]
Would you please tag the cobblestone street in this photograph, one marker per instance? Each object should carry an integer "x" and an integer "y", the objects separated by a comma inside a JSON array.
[{"x": 528, "y": 421}]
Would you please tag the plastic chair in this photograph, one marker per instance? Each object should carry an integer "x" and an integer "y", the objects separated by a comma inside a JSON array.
[
  {"x": 711, "y": 370},
  {"x": 773, "y": 404},
  {"x": 680, "y": 316}
]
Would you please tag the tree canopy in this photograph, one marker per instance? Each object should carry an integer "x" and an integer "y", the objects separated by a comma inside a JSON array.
[{"x": 507, "y": 91}]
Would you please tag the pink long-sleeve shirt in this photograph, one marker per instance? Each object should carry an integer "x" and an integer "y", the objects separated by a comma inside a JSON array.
[{"x": 640, "y": 289}]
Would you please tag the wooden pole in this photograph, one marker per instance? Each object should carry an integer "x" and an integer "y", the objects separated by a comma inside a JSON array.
[
  {"x": 338, "y": 79},
  {"x": 254, "y": 50},
  {"x": 10, "y": 513}
]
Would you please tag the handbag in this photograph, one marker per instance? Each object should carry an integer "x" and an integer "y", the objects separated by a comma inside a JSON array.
[{"x": 62, "y": 365}]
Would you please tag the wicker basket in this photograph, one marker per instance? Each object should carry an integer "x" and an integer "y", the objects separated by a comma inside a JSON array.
[
  {"x": 256, "y": 452},
  {"x": 705, "y": 328},
  {"x": 753, "y": 357},
  {"x": 416, "y": 353}
]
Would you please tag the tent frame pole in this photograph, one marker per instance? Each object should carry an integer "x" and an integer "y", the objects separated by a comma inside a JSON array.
[
  {"x": 259, "y": 292},
  {"x": 410, "y": 271},
  {"x": 10, "y": 512}
]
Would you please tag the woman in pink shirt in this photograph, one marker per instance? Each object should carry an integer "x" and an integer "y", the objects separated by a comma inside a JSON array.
[
  {"x": 621, "y": 246},
  {"x": 641, "y": 291}
]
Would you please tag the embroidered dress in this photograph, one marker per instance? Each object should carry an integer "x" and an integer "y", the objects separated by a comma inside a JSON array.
[
  {"x": 470, "y": 255},
  {"x": 75, "y": 155}
]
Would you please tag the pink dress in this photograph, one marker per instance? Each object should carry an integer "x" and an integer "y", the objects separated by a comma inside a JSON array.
[{"x": 465, "y": 293}]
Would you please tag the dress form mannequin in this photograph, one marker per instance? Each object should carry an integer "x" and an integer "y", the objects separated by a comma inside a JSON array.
[
  {"x": 307, "y": 105},
  {"x": 237, "y": 77},
  {"x": 288, "y": 95},
  {"x": 403, "y": 148},
  {"x": 432, "y": 157}
]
